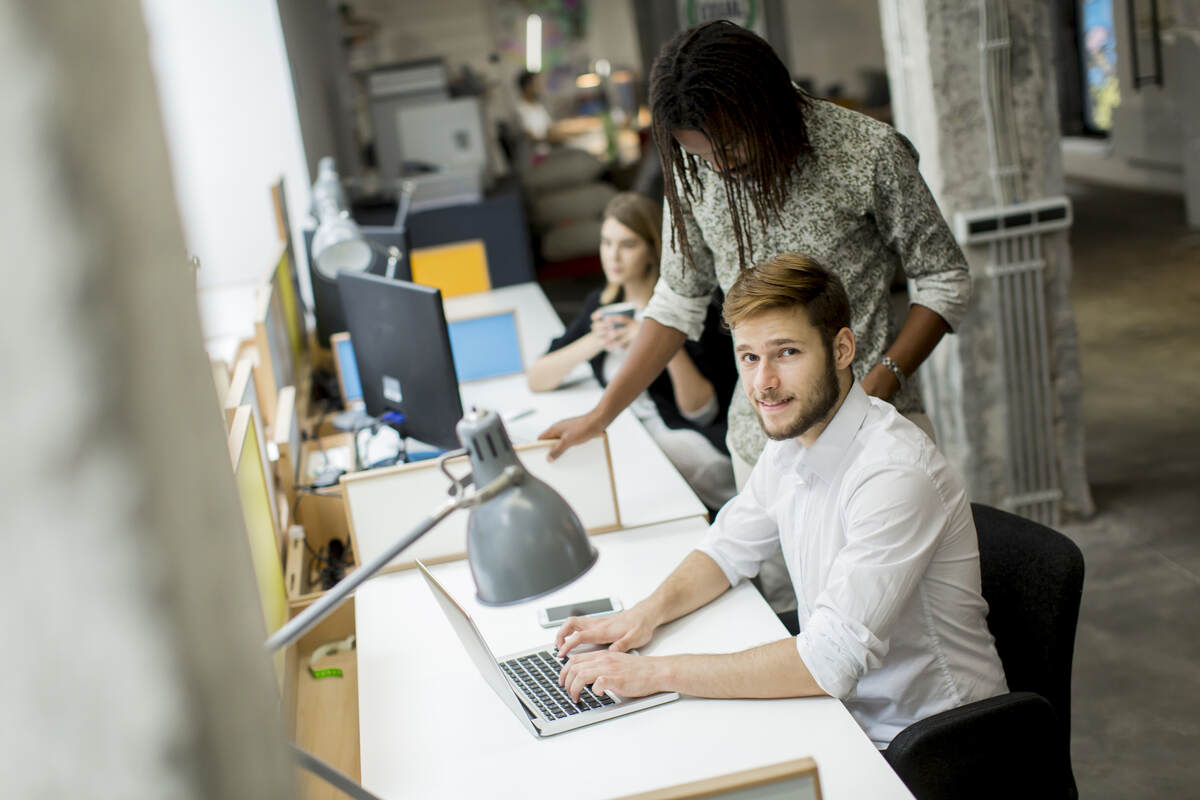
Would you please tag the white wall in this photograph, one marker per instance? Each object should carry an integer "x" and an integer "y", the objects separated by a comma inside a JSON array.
[
  {"x": 320, "y": 82},
  {"x": 230, "y": 120}
]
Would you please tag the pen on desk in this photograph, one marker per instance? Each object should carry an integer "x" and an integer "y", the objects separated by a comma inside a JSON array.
[{"x": 516, "y": 415}]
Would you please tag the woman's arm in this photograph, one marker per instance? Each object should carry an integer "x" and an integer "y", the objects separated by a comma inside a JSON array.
[
  {"x": 693, "y": 391},
  {"x": 548, "y": 372},
  {"x": 922, "y": 330},
  {"x": 653, "y": 349}
]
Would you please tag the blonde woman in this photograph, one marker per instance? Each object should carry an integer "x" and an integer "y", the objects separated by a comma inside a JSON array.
[{"x": 684, "y": 408}]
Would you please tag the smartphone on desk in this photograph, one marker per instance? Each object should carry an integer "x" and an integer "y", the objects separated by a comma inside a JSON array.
[{"x": 555, "y": 616}]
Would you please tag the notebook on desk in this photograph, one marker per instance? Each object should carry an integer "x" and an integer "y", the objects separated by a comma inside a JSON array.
[{"x": 527, "y": 682}]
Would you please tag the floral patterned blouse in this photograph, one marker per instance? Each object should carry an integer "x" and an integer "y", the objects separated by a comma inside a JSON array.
[{"x": 861, "y": 209}]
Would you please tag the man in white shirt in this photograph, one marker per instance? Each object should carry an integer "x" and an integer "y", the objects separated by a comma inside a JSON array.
[
  {"x": 535, "y": 120},
  {"x": 875, "y": 528}
]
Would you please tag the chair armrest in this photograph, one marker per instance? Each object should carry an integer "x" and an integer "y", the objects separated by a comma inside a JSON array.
[{"x": 1005, "y": 746}]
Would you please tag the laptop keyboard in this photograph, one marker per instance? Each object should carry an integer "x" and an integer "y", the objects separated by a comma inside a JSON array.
[{"x": 537, "y": 675}]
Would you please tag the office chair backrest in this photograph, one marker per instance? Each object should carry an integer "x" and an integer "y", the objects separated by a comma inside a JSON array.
[{"x": 1032, "y": 579}]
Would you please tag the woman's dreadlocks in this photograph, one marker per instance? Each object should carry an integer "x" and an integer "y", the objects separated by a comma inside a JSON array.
[{"x": 726, "y": 82}]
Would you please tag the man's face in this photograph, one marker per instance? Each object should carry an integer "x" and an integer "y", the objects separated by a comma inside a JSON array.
[
  {"x": 697, "y": 144},
  {"x": 788, "y": 373}
]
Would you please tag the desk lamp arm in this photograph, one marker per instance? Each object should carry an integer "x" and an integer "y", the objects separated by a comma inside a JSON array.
[
  {"x": 331, "y": 775},
  {"x": 333, "y": 598},
  {"x": 407, "y": 189}
]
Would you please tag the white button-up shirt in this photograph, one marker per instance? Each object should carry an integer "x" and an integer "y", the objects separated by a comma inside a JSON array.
[{"x": 877, "y": 533}]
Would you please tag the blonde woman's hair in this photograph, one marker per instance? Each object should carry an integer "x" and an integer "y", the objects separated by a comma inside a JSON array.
[{"x": 643, "y": 216}]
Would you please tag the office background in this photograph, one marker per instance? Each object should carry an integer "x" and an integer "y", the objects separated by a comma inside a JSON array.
[{"x": 139, "y": 134}]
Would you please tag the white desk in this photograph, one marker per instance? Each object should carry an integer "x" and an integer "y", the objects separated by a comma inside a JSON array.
[
  {"x": 431, "y": 727},
  {"x": 649, "y": 488}
]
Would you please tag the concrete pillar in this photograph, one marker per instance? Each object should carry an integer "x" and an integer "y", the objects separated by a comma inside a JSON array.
[
  {"x": 1181, "y": 54},
  {"x": 133, "y": 665},
  {"x": 935, "y": 71}
]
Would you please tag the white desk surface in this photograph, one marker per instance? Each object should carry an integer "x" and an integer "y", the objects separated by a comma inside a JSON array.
[
  {"x": 649, "y": 488},
  {"x": 431, "y": 727}
]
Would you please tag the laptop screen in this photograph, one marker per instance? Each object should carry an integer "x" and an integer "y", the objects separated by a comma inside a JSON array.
[{"x": 475, "y": 645}]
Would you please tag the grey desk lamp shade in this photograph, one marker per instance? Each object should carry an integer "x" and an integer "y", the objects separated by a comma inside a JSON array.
[
  {"x": 525, "y": 542},
  {"x": 338, "y": 244}
]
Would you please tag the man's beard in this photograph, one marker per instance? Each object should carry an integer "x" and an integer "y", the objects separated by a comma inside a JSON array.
[{"x": 819, "y": 402}]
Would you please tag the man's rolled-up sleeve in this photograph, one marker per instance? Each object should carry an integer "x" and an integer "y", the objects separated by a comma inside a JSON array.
[
  {"x": 910, "y": 222},
  {"x": 893, "y": 522}
]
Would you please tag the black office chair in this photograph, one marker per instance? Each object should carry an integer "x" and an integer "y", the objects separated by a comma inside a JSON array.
[{"x": 1017, "y": 744}]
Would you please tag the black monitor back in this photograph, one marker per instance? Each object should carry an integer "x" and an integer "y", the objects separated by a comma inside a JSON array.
[
  {"x": 327, "y": 307},
  {"x": 402, "y": 349}
]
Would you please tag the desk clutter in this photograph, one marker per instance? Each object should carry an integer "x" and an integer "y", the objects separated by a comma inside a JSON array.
[{"x": 332, "y": 453}]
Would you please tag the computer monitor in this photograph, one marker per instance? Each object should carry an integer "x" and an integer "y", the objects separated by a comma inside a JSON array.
[
  {"x": 403, "y": 354},
  {"x": 327, "y": 305}
]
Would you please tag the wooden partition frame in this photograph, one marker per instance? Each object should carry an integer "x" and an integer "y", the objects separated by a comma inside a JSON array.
[
  {"x": 222, "y": 378},
  {"x": 287, "y": 441},
  {"x": 243, "y": 391},
  {"x": 257, "y": 499},
  {"x": 383, "y": 504},
  {"x": 276, "y": 366},
  {"x": 797, "y": 779}
]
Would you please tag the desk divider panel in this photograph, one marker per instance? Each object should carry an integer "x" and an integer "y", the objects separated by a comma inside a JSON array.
[
  {"x": 382, "y": 505},
  {"x": 276, "y": 367},
  {"x": 257, "y": 499},
  {"x": 287, "y": 288},
  {"x": 286, "y": 441},
  {"x": 795, "y": 780},
  {"x": 243, "y": 391},
  {"x": 221, "y": 379},
  {"x": 457, "y": 268}
]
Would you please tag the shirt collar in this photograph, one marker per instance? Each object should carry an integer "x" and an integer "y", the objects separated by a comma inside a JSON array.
[{"x": 825, "y": 454}]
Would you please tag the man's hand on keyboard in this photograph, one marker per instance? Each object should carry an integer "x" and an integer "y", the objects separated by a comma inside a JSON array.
[
  {"x": 625, "y": 630},
  {"x": 603, "y": 670}
]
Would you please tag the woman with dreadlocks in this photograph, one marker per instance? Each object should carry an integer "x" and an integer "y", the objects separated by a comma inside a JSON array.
[{"x": 752, "y": 168}]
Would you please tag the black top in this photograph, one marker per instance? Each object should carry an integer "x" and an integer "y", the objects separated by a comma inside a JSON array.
[{"x": 713, "y": 356}]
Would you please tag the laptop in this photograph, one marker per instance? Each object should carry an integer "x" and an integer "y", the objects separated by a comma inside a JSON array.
[{"x": 527, "y": 682}]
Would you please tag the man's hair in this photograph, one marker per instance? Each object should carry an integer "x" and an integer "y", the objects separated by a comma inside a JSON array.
[
  {"x": 643, "y": 216},
  {"x": 524, "y": 79},
  {"x": 726, "y": 82},
  {"x": 786, "y": 281}
]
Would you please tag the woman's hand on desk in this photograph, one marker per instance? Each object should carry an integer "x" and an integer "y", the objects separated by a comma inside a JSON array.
[{"x": 572, "y": 431}]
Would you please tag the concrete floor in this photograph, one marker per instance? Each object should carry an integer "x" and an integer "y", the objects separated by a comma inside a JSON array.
[
  {"x": 1136, "y": 289},
  {"x": 1136, "y": 698}
]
